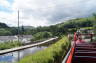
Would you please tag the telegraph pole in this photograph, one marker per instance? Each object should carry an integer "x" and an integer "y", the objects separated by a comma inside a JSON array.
[
  {"x": 18, "y": 37},
  {"x": 18, "y": 25}
]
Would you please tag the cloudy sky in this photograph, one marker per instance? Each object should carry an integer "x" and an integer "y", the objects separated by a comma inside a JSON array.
[{"x": 44, "y": 12}]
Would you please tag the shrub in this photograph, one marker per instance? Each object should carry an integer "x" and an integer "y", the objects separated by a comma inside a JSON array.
[{"x": 41, "y": 35}]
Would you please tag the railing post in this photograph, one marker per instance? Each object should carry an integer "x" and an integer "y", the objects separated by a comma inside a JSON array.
[{"x": 91, "y": 35}]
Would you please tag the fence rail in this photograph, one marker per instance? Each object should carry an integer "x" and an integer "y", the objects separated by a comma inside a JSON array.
[{"x": 68, "y": 57}]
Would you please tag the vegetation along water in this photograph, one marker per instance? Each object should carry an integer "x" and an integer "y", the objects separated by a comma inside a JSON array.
[{"x": 52, "y": 54}]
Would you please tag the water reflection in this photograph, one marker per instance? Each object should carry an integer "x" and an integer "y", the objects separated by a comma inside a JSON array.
[{"x": 15, "y": 56}]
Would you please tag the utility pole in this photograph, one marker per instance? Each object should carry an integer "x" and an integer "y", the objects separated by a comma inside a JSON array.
[
  {"x": 18, "y": 25},
  {"x": 18, "y": 36}
]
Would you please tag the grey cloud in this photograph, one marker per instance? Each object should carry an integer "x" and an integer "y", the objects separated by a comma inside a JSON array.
[{"x": 78, "y": 8}]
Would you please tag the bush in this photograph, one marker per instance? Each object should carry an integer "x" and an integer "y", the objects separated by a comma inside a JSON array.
[
  {"x": 52, "y": 54},
  {"x": 41, "y": 35},
  {"x": 4, "y": 32}
]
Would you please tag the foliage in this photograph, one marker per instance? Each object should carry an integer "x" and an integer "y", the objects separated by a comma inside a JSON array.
[
  {"x": 41, "y": 35},
  {"x": 66, "y": 27},
  {"x": 10, "y": 44},
  {"x": 3, "y": 25},
  {"x": 53, "y": 54},
  {"x": 4, "y": 32}
]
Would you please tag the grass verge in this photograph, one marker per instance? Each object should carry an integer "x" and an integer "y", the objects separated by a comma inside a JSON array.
[
  {"x": 53, "y": 54},
  {"x": 8, "y": 45}
]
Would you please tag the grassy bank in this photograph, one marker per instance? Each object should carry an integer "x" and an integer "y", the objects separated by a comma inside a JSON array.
[
  {"x": 11, "y": 44},
  {"x": 53, "y": 54}
]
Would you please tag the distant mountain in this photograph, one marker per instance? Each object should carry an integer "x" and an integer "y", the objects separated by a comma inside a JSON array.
[
  {"x": 25, "y": 27},
  {"x": 28, "y": 27},
  {"x": 3, "y": 25}
]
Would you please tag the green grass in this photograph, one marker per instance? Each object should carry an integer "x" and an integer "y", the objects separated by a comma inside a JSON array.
[
  {"x": 11, "y": 44},
  {"x": 86, "y": 28},
  {"x": 53, "y": 54},
  {"x": 81, "y": 28}
]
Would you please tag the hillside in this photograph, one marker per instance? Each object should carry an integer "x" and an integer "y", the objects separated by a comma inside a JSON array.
[
  {"x": 57, "y": 29},
  {"x": 3, "y": 25}
]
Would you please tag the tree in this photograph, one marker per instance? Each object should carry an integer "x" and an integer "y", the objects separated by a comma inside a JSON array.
[
  {"x": 3, "y": 25},
  {"x": 22, "y": 30},
  {"x": 41, "y": 35}
]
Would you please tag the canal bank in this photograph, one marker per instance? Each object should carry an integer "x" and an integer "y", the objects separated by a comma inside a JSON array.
[
  {"x": 52, "y": 54},
  {"x": 14, "y": 55}
]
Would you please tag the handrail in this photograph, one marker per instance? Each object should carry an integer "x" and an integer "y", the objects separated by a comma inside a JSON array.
[
  {"x": 87, "y": 34},
  {"x": 90, "y": 34},
  {"x": 68, "y": 57}
]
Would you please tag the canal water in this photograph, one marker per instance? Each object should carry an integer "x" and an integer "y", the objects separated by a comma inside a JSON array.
[{"x": 13, "y": 57}]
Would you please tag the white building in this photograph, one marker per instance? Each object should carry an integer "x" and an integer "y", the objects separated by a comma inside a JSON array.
[{"x": 24, "y": 38}]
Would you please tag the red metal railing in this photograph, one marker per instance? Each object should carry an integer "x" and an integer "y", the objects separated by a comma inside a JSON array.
[{"x": 68, "y": 57}]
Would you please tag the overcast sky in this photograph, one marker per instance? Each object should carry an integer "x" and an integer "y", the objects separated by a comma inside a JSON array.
[{"x": 44, "y": 12}]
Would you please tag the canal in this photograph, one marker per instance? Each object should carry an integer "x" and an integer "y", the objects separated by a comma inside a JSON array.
[
  {"x": 13, "y": 57},
  {"x": 17, "y": 55}
]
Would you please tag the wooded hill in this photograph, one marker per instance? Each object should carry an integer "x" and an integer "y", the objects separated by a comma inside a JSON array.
[{"x": 57, "y": 29}]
